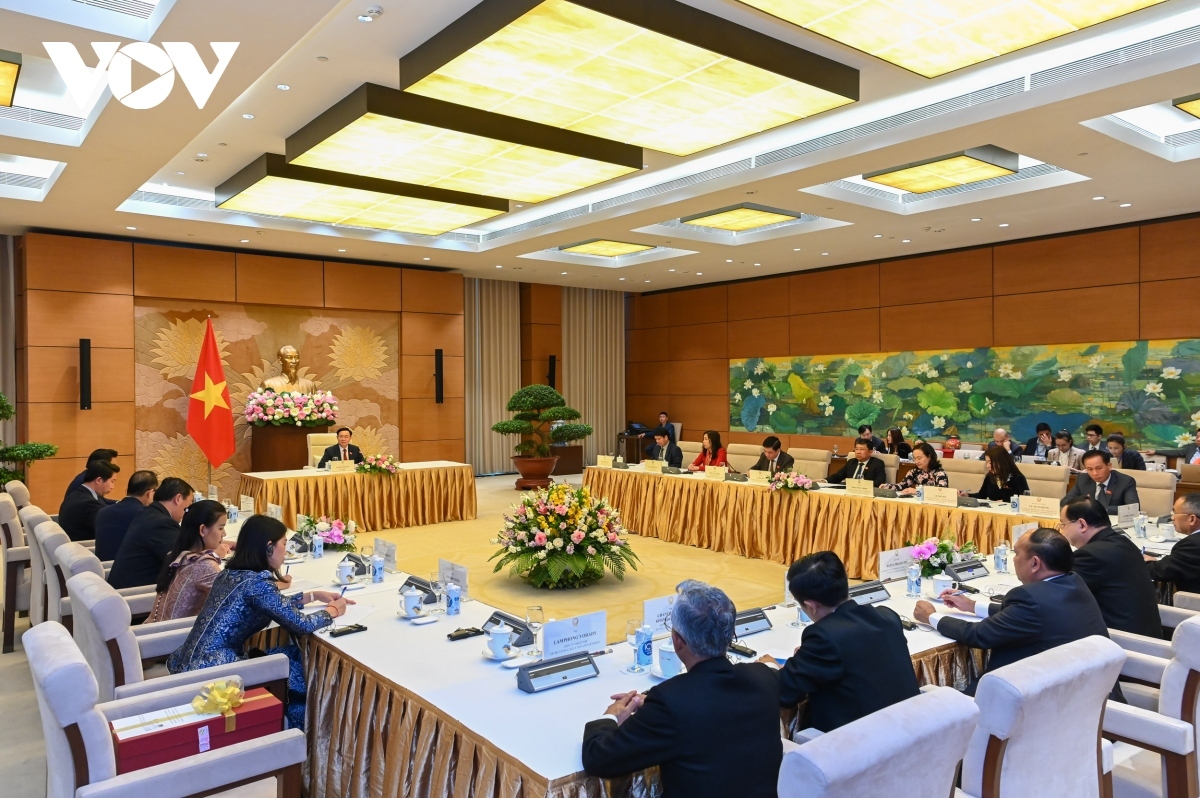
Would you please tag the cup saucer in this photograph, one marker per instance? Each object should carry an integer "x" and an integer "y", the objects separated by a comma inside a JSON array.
[
  {"x": 657, "y": 673},
  {"x": 514, "y": 652}
]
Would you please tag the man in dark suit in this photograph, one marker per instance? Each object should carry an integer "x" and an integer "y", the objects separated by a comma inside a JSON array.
[
  {"x": 1111, "y": 488},
  {"x": 151, "y": 536},
  {"x": 113, "y": 521},
  {"x": 1187, "y": 454},
  {"x": 77, "y": 516},
  {"x": 107, "y": 455},
  {"x": 853, "y": 659},
  {"x": 861, "y": 466},
  {"x": 1112, "y": 567},
  {"x": 1042, "y": 441},
  {"x": 773, "y": 458},
  {"x": 1052, "y": 606},
  {"x": 1122, "y": 457},
  {"x": 665, "y": 449},
  {"x": 342, "y": 450},
  {"x": 1093, "y": 439},
  {"x": 664, "y": 422},
  {"x": 713, "y": 731},
  {"x": 1000, "y": 437},
  {"x": 1182, "y": 565},
  {"x": 867, "y": 434}
]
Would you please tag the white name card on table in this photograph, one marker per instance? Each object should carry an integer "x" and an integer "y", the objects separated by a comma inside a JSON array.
[
  {"x": 863, "y": 488},
  {"x": 275, "y": 511},
  {"x": 455, "y": 574},
  {"x": 1041, "y": 506},
  {"x": 388, "y": 552},
  {"x": 572, "y": 635},
  {"x": 604, "y": 461},
  {"x": 758, "y": 477},
  {"x": 716, "y": 473},
  {"x": 1127, "y": 514},
  {"x": 341, "y": 466},
  {"x": 246, "y": 504},
  {"x": 212, "y": 493},
  {"x": 1019, "y": 530},
  {"x": 941, "y": 497},
  {"x": 652, "y": 466},
  {"x": 657, "y": 613},
  {"x": 893, "y": 564}
]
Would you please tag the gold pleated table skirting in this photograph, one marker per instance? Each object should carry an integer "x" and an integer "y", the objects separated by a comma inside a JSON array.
[
  {"x": 782, "y": 527},
  {"x": 413, "y": 497}
]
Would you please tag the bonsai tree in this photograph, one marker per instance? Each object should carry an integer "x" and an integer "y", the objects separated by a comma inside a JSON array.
[
  {"x": 20, "y": 455},
  {"x": 535, "y": 408}
]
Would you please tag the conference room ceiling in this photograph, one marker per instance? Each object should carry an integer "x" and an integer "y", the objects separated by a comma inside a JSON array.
[{"x": 1091, "y": 114}]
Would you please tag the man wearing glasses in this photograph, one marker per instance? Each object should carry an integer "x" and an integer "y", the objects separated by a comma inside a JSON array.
[{"x": 1182, "y": 565}]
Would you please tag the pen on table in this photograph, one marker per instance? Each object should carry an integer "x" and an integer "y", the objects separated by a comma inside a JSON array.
[
  {"x": 287, "y": 569},
  {"x": 600, "y": 653},
  {"x": 343, "y": 592}
]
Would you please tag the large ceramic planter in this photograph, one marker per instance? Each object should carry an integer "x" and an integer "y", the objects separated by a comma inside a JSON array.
[{"x": 535, "y": 471}]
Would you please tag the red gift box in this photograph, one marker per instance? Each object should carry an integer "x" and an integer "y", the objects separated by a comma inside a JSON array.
[{"x": 259, "y": 714}]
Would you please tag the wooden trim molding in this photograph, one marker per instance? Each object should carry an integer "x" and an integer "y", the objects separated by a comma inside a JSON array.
[
  {"x": 78, "y": 755},
  {"x": 118, "y": 664},
  {"x": 12, "y": 575},
  {"x": 8, "y": 535},
  {"x": 993, "y": 764}
]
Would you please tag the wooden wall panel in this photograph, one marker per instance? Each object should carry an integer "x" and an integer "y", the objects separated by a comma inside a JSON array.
[
  {"x": 842, "y": 332},
  {"x": 700, "y": 412},
  {"x": 432, "y": 292},
  {"x": 834, "y": 289},
  {"x": 951, "y": 275},
  {"x": 1104, "y": 257},
  {"x": 654, "y": 377},
  {"x": 1165, "y": 311},
  {"x": 425, "y": 420},
  {"x": 1020, "y": 319},
  {"x": 651, "y": 311},
  {"x": 759, "y": 337},
  {"x": 698, "y": 305},
  {"x": 269, "y": 280},
  {"x": 184, "y": 273},
  {"x": 699, "y": 377},
  {"x": 355, "y": 286},
  {"x": 1171, "y": 250},
  {"x": 61, "y": 318},
  {"x": 424, "y": 451},
  {"x": 540, "y": 341},
  {"x": 417, "y": 381},
  {"x": 78, "y": 432},
  {"x": 957, "y": 324},
  {"x": 755, "y": 299},
  {"x": 541, "y": 304},
  {"x": 645, "y": 408},
  {"x": 648, "y": 345},
  {"x": 70, "y": 263},
  {"x": 421, "y": 333},
  {"x": 698, "y": 342},
  {"x": 53, "y": 374},
  {"x": 47, "y": 479}
]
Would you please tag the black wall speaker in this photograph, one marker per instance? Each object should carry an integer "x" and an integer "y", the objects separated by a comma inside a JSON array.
[
  {"x": 553, "y": 371},
  {"x": 438, "y": 393},
  {"x": 85, "y": 373}
]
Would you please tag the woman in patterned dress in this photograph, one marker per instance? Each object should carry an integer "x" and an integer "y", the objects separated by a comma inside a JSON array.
[
  {"x": 928, "y": 471},
  {"x": 193, "y": 563}
]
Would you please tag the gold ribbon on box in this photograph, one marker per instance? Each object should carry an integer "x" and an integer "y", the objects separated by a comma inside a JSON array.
[{"x": 222, "y": 697}]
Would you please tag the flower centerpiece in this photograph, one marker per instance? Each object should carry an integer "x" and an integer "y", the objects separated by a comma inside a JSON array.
[
  {"x": 335, "y": 534},
  {"x": 789, "y": 481},
  {"x": 560, "y": 537},
  {"x": 934, "y": 555},
  {"x": 318, "y": 409},
  {"x": 378, "y": 464}
]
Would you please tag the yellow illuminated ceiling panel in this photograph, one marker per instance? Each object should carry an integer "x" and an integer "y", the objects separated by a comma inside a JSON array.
[
  {"x": 933, "y": 37},
  {"x": 10, "y": 70},
  {"x": 573, "y": 67},
  {"x": 741, "y": 219},
  {"x": 605, "y": 249},
  {"x": 971, "y": 166},
  {"x": 1189, "y": 105}
]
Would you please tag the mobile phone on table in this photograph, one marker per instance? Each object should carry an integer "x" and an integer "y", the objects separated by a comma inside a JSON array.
[
  {"x": 348, "y": 629},
  {"x": 741, "y": 649},
  {"x": 463, "y": 634}
]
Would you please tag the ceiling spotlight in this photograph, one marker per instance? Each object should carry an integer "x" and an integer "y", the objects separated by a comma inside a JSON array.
[
  {"x": 498, "y": 266},
  {"x": 341, "y": 250},
  {"x": 727, "y": 260},
  {"x": 245, "y": 241},
  {"x": 976, "y": 219},
  {"x": 424, "y": 258},
  {"x": 620, "y": 278},
  {"x": 1005, "y": 224},
  {"x": 247, "y": 116},
  {"x": 371, "y": 14},
  {"x": 322, "y": 58},
  {"x": 670, "y": 270},
  {"x": 562, "y": 272},
  {"x": 283, "y": 87},
  {"x": 1126, "y": 204},
  {"x": 647, "y": 281},
  {"x": 758, "y": 264},
  {"x": 699, "y": 274},
  {"x": 179, "y": 173},
  {"x": 824, "y": 253},
  {"x": 1097, "y": 198},
  {"x": 202, "y": 155},
  {"x": 130, "y": 228},
  {"x": 797, "y": 249},
  {"x": 878, "y": 235}
]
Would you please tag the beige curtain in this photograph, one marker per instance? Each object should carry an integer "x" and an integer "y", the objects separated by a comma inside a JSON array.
[
  {"x": 493, "y": 369},
  {"x": 593, "y": 368}
]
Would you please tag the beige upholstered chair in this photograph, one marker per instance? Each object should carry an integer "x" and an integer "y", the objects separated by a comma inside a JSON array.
[
  {"x": 678, "y": 429},
  {"x": 965, "y": 474},
  {"x": 874, "y": 756},
  {"x": 318, "y": 442},
  {"x": 891, "y": 465},
  {"x": 80, "y": 759},
  {"x": 1189, "y": 473},
  {"x": 50, "y": 538},
  {"x": 691, "y": 450},
  {"x": 122, "y": 656},
  {"x": 1053, "y": 701},
  {"x": 14, "y": 560},
  {"x": 16, "y": 488},
  {"x": 73, "y": 559},
  {"x": 31, "y": 516},
  {"x": 1156, "y": 491},
  {"x": 1046, "y": 480},
  {"x": 742, "y": 456},
  {"x": 812, "y": 463}
]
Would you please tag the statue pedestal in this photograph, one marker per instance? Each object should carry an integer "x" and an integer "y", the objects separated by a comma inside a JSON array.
[{"x": 282, "y": 448}]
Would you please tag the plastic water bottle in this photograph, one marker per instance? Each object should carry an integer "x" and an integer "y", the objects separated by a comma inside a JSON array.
[
  {"x": 1139, "y": 524},
  {"x": 1000, "y": 558},
  {"x": 914, "y": 581},
  {"x": 645, "y": 646},
  {"x": 920, "y": 493},
  {"x": 1015, "y": 502},
  {"x": 318, "y": 547},
  {"x": 376, "y": 568},
  {"x": 453, "y": 597},
  {"x": 788, "y": 599}
]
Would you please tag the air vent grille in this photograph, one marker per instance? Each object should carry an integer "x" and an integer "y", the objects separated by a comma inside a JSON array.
[
  {"x": 129, "y": 7},
  {"x": 34, "y": 116},
  {"x": 22, "y": 181},
  {"x": 1122, "y": 55}
]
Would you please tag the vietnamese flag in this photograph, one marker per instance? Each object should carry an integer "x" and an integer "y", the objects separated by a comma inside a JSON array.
[{"x": 210, "y": 421}]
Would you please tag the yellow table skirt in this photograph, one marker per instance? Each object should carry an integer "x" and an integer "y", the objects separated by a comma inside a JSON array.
[
  {"x": 782, "y": 527},
  {"x": 375, "y": 501}
]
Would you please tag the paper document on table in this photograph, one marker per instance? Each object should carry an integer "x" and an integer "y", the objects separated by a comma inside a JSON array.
[
  {"x": 894, "y": 563},
  {"x": 355, "y": 613},
  {"x": 1127, "y": 514},
  {"x": 302, "y": 586}
]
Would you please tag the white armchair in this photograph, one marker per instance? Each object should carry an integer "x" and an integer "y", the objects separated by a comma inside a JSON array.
[
  {"x": 1156, "y": 491},
  {"x": 909, "y": 748},
  {"x": 965, "y": 474},
  {"x": 891, "y": 465},
  {"x": 1048, "y": 481},
  {"x": 14, "y": 562},
  {"x": 73, "y": 559},
  {"x": 31, "y": 516},
  {"x": 50, "y": 539},
  {"x": 812, "y": 463},
  {"x": 16, "y": 488},
  {"x": 1187, "y": 601},
  {"x": 318, "y": 442},
  {"x": 120, "y": 656},
  {"x": 1050, "y": 702},
  {"x": 81, "y": 761}
]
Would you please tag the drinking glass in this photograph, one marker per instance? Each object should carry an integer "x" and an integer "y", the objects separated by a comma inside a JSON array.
[
  {"x": 439, "y": 589},
  {"x": 799, "y": 622},
  {"x": 535, "y": 617},
  {"x": 367, "y": 551},
  {"x": 631, "y": 630}
]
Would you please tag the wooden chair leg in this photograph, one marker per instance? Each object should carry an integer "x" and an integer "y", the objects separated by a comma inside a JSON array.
[
  {"x": 288, "y": 783},
  {"x": 1106, "y": 785},
  {"x": 9, "y": 621},
  {"x": 1180, "y": 772}
]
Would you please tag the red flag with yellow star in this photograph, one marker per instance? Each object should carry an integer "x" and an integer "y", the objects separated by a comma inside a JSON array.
[{"x": 210, "y": 420}]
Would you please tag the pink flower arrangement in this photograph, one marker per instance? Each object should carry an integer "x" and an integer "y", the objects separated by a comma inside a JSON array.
[
  {"x": 335, "y": 534},
  {"x": 934, "y": 554},
  {"x": 308, "y": 410},
  {"x": 788, "y": 481},
  {"x": 378, "y": 464}
]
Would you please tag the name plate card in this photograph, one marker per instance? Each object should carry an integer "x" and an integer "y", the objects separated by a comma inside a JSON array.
[
  {"x": 1019, "y": 530},
  {"x": 387, "y": 551},
  {"x": 341, "y": 466},
  {"x": 604, "y": 461},
  {"x": 941, "y": 497},
  {"x": 582, "y": 633},
  {"x": 454, "y": 574},
  {"x": 863, "y": 488},
  {"x": 1040, "y": 506},
  {"x": 212, "y": 493},
  {"x": 1127, "y": 514},
  {"x": 759, "y": 477},
  {"x": 246, "y": 504},
  {"x": 275, "y": 511},
  {"x": 894, "y": 564},
  {"x": 657, "y": 613},
  {"x": 652, "y": 466},
  {"x": 716, "y": 473}
]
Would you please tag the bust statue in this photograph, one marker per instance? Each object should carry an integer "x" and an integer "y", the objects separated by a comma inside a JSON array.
[{"x": 287, "y": 380}]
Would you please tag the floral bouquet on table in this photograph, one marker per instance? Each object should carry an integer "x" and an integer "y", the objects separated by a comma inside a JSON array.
[
  {"x": 378, "y": 464},
  {"x": 788, "y": 481},
  {"x": 934, "y": 555},
  {"x": 318, "y": 409},
  {"x": 560, "y": 537},
  {"x": 335, "y": 534}
]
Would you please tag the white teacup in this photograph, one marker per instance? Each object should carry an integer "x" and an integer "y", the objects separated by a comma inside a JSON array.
[
  {"x": 412, "y": 601},
  {"x": 668, "y": 661},
  {"x": 941, "y": 583},
  {"x": 345, "y": 572}
]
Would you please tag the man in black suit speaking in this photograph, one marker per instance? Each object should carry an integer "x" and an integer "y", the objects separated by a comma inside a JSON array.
[
  {"x": 77, "y": 516},
  {"x": 665, "y": 449},
  {"x": 861, "y": 466},
  {"x": 853, "y": 660},
  {"x": 1182, "y": 565},
  {"x": 1052, "y": 606},
  {"x": 773, "y": 458},
  {"x": 342, "y": 450},
  {"x": 713, "y": 731},
  {"x": 1111, "y": 488}
]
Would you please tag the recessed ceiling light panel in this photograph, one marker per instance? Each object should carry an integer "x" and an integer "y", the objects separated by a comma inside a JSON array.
[
  {"x": 1189, "y": 104},
  {"x": 947, "y": 171},
  {"x": 604, "y": 248},
  {"x": 655, "y": 73},
  {"x": 10, "y": 70},
  {"x": 740, "y": 218}
]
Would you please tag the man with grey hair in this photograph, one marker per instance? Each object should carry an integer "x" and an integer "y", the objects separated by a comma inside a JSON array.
[
  {"x": 1000, "y": 437},
  {"x": 1182, "y": 565},
  {"x": 713, "y": 731}
]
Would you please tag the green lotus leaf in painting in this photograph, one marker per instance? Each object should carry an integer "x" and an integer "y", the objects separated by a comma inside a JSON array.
[
  {"x": 936, "y": 400},
  {"x": 1135, "y": 360},
  {"x": 979, "y": 405},
  {"x": 1165, "y": 433},
  {"x": 861, "y": 413},
  {"x": 1146, "y": 409},
  {"x": 1065, "y": 399},
  {"x": 752, "y": 407},
  {"x": 1188, "y": 349},
  {"x": 906, "y": 384},
  {"x": 783, "y": 421},
  {"x": 800, "y": 391},
  {"x": 997, "y": 387}
]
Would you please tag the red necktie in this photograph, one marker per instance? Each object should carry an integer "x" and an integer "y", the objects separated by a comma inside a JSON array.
[{"x": 344, "y": 454}]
